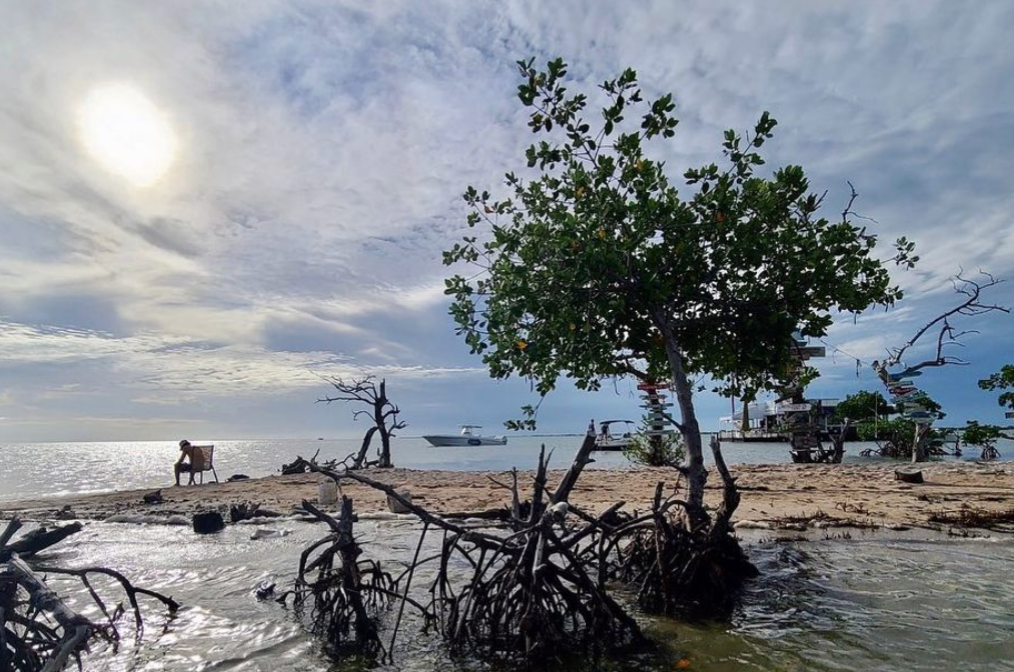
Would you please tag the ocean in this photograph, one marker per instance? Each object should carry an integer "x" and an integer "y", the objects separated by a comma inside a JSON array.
[
  {"x": 836, "y": 601},
  {"x": 58, "y": 469}
]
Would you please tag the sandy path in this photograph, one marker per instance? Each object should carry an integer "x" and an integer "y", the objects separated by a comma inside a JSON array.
[{"x": 772, "y": 494}]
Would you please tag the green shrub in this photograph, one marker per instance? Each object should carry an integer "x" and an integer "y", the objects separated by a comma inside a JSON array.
[{"x": 656, "y": 451}]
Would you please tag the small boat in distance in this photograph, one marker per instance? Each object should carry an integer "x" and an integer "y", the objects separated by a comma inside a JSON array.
[
  {"x": 466, "y": 438},
  {"x": 607, "y": 440}
]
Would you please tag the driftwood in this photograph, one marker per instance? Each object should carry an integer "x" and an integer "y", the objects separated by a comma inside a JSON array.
[
  {"x": 246, "y": 511},
  {"x": 302, "y": 465},
  {"x": 38, "y": 631},
  {"x": 37, "y": 540}
]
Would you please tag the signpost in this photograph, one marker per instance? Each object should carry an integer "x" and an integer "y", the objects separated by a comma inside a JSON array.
[
  {"x": 908, "y": 373},
  {"x": 808, "y": 351},
  {"x": 655, "y": 404},
  {"x": 794, "y": 408}
]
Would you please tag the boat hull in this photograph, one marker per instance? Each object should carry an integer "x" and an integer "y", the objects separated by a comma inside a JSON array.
[
  {"x": 458, "y": 440},
  {"x": 612, "y": 444}
]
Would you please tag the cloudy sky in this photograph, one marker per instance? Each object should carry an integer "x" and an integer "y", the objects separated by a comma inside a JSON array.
[{"x": 302, "y": 170}]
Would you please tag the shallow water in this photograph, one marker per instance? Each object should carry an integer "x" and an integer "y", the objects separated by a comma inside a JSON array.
[
  {"x": 54, "y": 469},
  {"x": 862, "y": 604}
]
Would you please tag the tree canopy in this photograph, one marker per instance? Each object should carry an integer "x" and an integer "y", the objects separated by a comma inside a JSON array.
[
  {"x": 863, "y": 405},
  {"x": 1002, "y": 380},
  {"x": 595, "y": 264}
]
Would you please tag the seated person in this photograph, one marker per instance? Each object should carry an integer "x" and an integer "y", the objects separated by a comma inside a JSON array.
[{"x": 187, "y": 454}]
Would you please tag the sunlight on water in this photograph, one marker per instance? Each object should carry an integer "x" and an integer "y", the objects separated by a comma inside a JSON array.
[{"x": 55, "y": 469}]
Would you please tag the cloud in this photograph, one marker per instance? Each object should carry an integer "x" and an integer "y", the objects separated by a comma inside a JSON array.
[
  {"x": 322, "y": 148},
  {"x": 184, "y": 369}
]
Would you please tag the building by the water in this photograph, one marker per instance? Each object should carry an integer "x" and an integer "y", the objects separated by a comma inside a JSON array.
[{"x": 765, "y": 420}]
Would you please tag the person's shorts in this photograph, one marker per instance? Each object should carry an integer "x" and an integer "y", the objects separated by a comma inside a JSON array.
[{"x": 186, "y": 466}]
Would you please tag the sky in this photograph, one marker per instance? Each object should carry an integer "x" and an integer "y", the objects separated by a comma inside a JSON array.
[{"x": 301, "y": 166}]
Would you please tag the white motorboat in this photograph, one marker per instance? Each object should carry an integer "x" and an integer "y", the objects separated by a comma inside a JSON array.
[
  {"x": 609, "y": 439},
  {"x": 467, "y": 437}
]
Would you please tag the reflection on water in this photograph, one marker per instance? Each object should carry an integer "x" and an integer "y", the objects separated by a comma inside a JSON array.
[
  {"x": 865, "y": 604},
  {"x": 868, "y": 605},
  {"x": 52, "y": 469}
]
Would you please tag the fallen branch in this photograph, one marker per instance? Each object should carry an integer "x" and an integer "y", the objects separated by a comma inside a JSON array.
[
  {"x": 40, "y": 633},
  {"x": 37, "y": 540}
]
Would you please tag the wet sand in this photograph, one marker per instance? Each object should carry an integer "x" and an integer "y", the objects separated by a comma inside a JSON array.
[{"x": 779, "y": 496}]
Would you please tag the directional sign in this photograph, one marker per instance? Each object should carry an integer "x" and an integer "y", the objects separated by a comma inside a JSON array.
[
  {"x": 810, "y": 351},
  {"x": 908, "y": 373},
  {"x": 1009, "y": 414},
  {"x": 794, "y": 408},
  {"x": 653, "y": 386},
  {"x": 915, "y": 415}
]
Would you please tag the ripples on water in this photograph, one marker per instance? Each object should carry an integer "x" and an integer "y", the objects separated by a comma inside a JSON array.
[{"x": 866, "y": 604}]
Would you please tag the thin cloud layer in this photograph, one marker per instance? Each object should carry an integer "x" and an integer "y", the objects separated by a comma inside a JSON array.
[{"x": 320, "y": 153}]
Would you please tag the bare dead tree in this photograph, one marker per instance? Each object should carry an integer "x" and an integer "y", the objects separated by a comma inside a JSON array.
[
  {"x": 382, "y": 412},
  {"x": 946, "y": 336}
]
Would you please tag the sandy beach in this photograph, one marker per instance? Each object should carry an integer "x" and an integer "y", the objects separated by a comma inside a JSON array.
[{"x": 779, "y": 496}]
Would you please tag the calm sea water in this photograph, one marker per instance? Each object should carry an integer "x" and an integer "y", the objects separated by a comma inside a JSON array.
[
  {"x": 870, "y": 604},
  {"x": 55, "y": 469}
]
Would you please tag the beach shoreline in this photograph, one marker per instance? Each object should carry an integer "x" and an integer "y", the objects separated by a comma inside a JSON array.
[{"x": 775, "y": 496}]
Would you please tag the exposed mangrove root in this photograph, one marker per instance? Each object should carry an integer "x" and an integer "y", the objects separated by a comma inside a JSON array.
[
  {"x": 344, "y": 594},
  {"x": 678, "y": 568},
  {"x": 989, "y": 454},
  {"x": 38, "y": 631},
  {"x": 529, "y": 595},
  {"x": 539, "y": 590}
]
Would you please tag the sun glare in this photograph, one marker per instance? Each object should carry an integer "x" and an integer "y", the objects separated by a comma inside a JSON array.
[{"x": 127, "y": 133}]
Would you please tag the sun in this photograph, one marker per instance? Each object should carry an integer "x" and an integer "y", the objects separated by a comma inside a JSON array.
[{"x": 127, "y": 133}]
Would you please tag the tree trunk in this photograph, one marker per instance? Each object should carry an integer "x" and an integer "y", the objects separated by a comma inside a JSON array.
[
  {"x": 920, "y": 444},
  {"x": 691, "y": 430},
  {"x": 385, "y": 449},
  {"x": 745, "y": 425},
  {"x": 364, "y": 449},
  {"x": 385, "y": 435}
]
